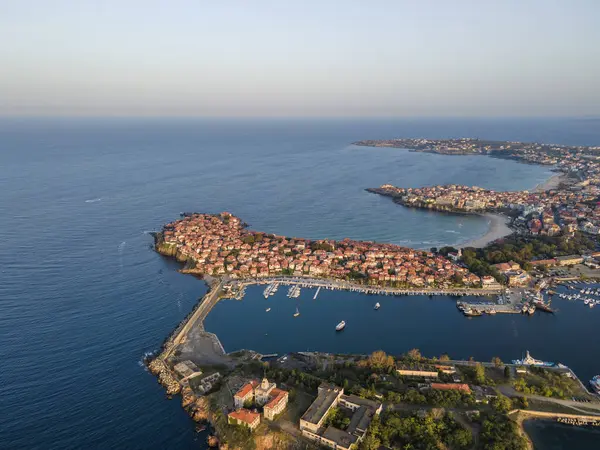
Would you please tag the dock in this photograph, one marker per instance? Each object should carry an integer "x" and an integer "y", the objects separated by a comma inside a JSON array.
[
  {"x": 365, "y": 289},
  {"x": 317, "y": 293}
]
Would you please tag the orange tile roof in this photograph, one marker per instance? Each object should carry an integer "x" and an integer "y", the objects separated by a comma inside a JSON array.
[
  {"x": 244, "y": 415},
  {"x": 455, "y": 386},
  {"x": 246, "y": 389},
  {"x": 277, "y": 395}
]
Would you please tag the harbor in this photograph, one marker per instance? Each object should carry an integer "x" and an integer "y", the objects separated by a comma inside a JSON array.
[
  {"x": 239, "y": 286},
  {"x": 431, "y": 324}
]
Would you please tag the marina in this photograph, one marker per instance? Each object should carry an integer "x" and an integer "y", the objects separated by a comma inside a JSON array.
[
  {"x": 297, "y": 283},
  {"x": 412, "y": 320}
]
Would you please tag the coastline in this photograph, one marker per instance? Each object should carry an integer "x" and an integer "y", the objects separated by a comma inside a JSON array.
[
  {"x": 499, "y": 224},
  {"x": 498, "y": 228},
  {"x": 551, "y": 183}
]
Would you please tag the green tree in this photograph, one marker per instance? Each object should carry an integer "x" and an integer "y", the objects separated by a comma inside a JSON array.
[
  {"x": 414, "y": 354},
  {"x": 502, "y": 404},
  {"x": 496, "y": 361},
  {"x": 479, "y": 373}
]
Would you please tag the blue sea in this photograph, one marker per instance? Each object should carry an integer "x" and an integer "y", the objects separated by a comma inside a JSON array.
[{"x": 83, "y": 297}]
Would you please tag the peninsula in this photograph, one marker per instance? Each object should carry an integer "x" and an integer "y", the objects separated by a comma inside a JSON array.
[
  {"x": 222, "y": 245},
  {"x": 533, "y": 152},
  {"x": 566, "y": 204}
]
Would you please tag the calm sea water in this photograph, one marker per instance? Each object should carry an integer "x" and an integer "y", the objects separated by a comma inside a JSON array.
[{"x": 83, "y": 297}]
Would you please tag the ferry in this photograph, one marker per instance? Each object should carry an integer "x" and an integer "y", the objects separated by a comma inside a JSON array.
[
  {"x": 340, "y": 326},
  {"x": 297, "y": 313},
  {"x": 595, "y": 384},
  {"x": 377, "y": 306},
  {"x": 472, "y": 312}
]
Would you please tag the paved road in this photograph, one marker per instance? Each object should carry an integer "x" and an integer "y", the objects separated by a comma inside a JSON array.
[{"x": 509, "y": 391}]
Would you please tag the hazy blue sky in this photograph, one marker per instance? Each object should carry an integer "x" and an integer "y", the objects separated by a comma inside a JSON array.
[{"x": 300, "y": 58}]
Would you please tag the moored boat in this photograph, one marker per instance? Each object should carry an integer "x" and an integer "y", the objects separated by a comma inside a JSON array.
[
  {"x": 469, "y": 312},
  {"x": 540, "y": 305},
  {"x": 595, "y": 384}
]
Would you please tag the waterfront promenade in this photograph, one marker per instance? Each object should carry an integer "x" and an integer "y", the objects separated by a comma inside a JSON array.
[{"x": 310, "y": 282}]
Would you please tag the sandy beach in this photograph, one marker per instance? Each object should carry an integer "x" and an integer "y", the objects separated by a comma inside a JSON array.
[
  {"x": 498, "y": 224},
  {"x": 498, "y": 228},
  {"x": 550, "y": 183}
]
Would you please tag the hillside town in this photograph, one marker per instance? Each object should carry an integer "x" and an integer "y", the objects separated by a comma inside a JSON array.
[{"x": 222, "y": 245}]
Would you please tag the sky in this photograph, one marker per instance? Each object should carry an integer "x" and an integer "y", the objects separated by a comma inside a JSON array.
[{"x": 282, "y": 58}]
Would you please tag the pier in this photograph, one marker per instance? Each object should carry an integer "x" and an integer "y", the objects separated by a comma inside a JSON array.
[
  {"x": 369, "y": 290},
  {"x": 317, "y": 293}
]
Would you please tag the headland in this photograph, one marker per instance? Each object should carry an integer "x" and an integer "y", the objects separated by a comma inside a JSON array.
[
  {"x": 222, "y": 245},
  {"x": 563, "y": 204},
  {"x": 526, "y": 152}
]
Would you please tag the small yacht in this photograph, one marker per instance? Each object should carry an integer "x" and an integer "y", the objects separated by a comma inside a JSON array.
[
  {"x": 268, "y": 309},
  {"x": 340, "y": 326},
  {"x": 377, "y": 306},
  {"x": 297, "y": 313}
]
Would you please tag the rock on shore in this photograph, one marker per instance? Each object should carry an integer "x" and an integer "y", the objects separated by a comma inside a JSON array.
[{"x": 165, "y": 377}]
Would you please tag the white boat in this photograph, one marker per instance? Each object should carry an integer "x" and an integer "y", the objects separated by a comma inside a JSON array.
[
  {"x": 595, "y": 383},
  {"x": 377, "y": 306},
  {"x": 268, "y": 309},
  {"x": 297, "y": 313},
  {"x": 340, "y": 326}
]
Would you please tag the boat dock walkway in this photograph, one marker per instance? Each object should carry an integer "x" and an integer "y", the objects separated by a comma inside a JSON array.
[
  {"x": 486, "y": 307},
  {"x": 317, "y": 293}
]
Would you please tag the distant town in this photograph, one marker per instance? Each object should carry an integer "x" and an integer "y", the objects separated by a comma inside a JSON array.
[
  {"x": 567, "y": 207},
  {"x": 533, "y": 152}
]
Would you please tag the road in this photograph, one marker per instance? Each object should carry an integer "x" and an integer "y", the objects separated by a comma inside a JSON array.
[
  {"x": 206, "y": 304},
  {"x": 509, "y": 391}
]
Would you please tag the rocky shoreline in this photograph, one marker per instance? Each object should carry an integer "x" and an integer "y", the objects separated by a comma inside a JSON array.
[{"x": 196, "y": 406}]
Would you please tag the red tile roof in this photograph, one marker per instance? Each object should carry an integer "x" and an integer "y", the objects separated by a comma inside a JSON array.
[
  {"x": 277, "y": 395},
  {"x": 246, "y": 389},
  {"x": 244, "y": 415}
]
